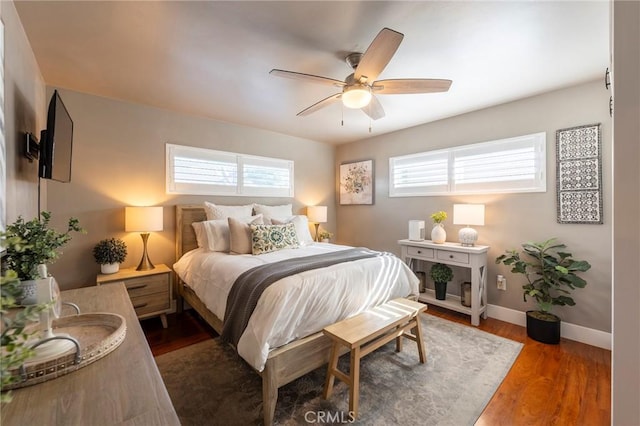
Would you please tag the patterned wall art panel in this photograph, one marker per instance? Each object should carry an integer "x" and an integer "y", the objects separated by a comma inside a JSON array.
[
  {"x": 356, "y": 183},
  {"x": 579, "y": 174}
]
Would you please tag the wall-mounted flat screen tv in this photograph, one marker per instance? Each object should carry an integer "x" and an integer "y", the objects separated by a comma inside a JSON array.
[{"x": 56, "y": 142}]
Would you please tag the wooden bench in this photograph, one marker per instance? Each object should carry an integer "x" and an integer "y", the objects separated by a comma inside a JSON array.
[{"x": 366, "y": 332}]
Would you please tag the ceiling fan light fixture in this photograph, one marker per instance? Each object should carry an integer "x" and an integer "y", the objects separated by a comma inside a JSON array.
[{"x": 356, "y": 97}]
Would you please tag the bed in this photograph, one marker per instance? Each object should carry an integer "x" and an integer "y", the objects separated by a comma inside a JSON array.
[{"x": 294, "y": 358}]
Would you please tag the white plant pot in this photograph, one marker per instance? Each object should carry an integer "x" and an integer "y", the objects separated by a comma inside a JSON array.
[
  {"x": 438, "y": 234},
  {"x": 109, "y": 268},
  {"x": 325, "y": 240},
  {"x": 29, "y": 292}
]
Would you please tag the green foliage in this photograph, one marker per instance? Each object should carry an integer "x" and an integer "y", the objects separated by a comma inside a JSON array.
[
  {"x": 550, "y": 272},
  {"x": 325, "y": 235},
  {"x": 13, "y": 340},
  {"x": 439, "y": 217},
  {"x": 32, "y": 243},
  {"x": 441, "y": 273},
  {"x": 110, "y": 250}
]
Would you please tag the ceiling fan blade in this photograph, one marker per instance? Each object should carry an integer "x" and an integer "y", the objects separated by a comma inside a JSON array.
[
  {"x": 410, "y": 85},
  {"x": 378, "y": 54},
  {"x": 307, "y": 77},
  {"x": 319, "y": 105},
  {"x": 374, "y": 109}
]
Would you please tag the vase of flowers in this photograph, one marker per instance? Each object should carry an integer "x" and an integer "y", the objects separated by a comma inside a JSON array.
[{"x": 438, "y": 234}]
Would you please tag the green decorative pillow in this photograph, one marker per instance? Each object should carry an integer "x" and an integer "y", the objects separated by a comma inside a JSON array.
[{"x": 268, "y": 238}]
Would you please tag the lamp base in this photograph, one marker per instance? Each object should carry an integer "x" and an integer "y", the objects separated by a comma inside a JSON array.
[
  {"x": 145, "y": 263},
  {"x": 467, "y": 237},
  {"x": 317, "y": 225}
]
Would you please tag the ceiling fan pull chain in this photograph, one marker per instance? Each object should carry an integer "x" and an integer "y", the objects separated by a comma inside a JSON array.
[{"x": 342, "y": 120}]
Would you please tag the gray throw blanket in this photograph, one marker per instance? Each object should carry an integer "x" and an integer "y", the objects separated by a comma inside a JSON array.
[{"x": 248, "y": 287}]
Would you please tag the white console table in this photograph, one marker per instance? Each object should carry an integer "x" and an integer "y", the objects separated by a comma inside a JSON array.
[{"x": 474, "y": 258}]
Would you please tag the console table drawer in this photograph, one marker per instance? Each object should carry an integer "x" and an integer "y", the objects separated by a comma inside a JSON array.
[
  {"x": 147, "y": 285},
  {"x": 453, "y": 256},
  {"x": 420, "y": 252}
]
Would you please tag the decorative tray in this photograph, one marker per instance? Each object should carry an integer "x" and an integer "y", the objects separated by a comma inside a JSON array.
[{"x": 97, "y": 334}]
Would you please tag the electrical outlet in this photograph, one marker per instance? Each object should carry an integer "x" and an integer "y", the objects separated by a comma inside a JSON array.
[{"x": 501, "y": 282}]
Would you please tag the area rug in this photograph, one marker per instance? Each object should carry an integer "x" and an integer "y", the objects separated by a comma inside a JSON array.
[{"x": 210, "y": 385}]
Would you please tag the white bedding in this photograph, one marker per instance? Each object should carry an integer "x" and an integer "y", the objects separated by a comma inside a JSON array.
[{"x": 299, "y": 305}]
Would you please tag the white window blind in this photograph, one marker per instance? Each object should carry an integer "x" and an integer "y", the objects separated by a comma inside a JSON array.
[
  {"x": 192, "y": 170},
  {"x": 508, "y": 165}
]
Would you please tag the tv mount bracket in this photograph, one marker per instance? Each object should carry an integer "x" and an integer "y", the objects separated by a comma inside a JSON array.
[{"x": 32, "y": 147}]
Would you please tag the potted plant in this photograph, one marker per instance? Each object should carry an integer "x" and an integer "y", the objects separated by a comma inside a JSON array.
[
  {"x": 438, "y": 234},
  {"x": 109, "y": 254},
  {"x": 14, "y": 348},
  {"x": 32, "y": 244},
  {"x": 441, "y": 275},
  {"x": 325, "y": 236},
  {"x": 551, "y": 274}
]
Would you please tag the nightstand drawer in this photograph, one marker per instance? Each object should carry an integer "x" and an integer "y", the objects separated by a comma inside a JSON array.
[
  {"x": 453, "y": 256},
  {"x": 147, "y": 285},
  {"x": 151, "y": 303},
  {"x": 425, "y": 253}
]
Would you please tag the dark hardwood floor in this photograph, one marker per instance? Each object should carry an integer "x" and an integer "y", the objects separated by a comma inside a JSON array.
[{"x": 565, "y": 384}]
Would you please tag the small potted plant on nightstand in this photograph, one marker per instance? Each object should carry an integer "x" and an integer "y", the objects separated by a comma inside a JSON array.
[
  {"x": 110, "y": 253},
  {"x": 325, "y": 236},
  {"x": 441, "y": 274},
  {"x": 551, "y": 274}
]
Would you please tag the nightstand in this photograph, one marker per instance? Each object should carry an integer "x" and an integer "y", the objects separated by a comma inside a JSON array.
[{"x": 149, "y": 291}]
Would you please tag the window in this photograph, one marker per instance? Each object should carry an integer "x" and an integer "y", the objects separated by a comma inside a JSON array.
[
  {"x": 508, "y": 165},
  {"x": 204, "y": 171}
]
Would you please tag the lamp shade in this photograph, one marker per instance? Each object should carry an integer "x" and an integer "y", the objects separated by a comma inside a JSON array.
[
  {"x": 143, "y": 219},
  {"x": 468, "y": 214},
  {"x": 317, "y": 214}
]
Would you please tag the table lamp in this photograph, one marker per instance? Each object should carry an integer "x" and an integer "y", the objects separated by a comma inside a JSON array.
[
  {"x": 468, "y": 214},
  {"x": 317, "y": 215},
  {"x": 143, "y": 220}
]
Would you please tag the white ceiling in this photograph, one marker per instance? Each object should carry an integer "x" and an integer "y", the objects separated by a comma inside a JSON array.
[{"x": 213, "y": 59}]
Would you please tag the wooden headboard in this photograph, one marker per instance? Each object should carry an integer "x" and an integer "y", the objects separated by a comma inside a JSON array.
[{"x": 186, "y": 214}]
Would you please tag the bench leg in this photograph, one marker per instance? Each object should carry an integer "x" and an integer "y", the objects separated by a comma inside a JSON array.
[
  {"x": 333, "y": 364},
  {"x": 354, "y": 389},
  {"x": 399, "y": 343},
  {"x": 419, "y": 340}
]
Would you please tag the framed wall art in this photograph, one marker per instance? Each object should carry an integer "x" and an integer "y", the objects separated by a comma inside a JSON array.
[
  {"x": 356, "y": 183},
  {"x": 579, "y": 174}
]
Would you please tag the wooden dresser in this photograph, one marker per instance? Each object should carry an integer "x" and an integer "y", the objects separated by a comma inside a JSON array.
[{"x": 124, "y": 387}]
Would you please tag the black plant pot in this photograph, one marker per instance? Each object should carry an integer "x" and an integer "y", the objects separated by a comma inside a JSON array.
[
  {"x": 441, "y": 291},
  {"x": 543, "y": 330}
]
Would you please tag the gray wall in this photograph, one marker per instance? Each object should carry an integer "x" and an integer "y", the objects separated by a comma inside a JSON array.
[
  {"x": 24, "y": 111},
  {"x": 511, "y": 219},
  {"x": 119, "y": 160},
  {"x": 626, "y": 205}
]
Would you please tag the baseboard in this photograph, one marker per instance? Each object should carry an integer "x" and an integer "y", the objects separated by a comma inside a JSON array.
[{"x": 592, "y": 337}]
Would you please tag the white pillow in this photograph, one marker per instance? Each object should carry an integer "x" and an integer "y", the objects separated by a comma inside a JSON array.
[
  {"x": 217, "y": 233},
  {"x": 270, "y": 212},
  {"x": 240, "y": 234},
  {"x": 215, "y": 211},
  {"x": 301, "y": 223},
  {"x": 201, "y": 234}
]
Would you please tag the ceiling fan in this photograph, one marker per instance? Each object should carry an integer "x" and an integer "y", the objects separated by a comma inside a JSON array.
[{"x": 360, "y": 87}]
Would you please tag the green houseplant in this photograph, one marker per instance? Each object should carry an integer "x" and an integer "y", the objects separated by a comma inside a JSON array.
[
  {"x": 441, "y": 274},
  {"x": 109, "y": 254},
  {"x": 32, "y": 243},
  {"x": 325, "y": 236},
  {"x": 13, "y": 341},
  {"x": 551, "y": 275}
]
